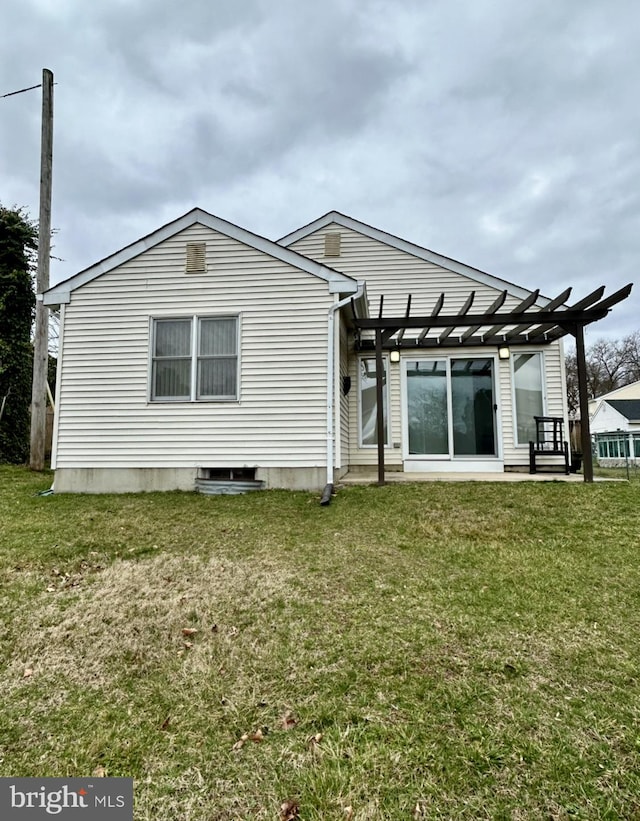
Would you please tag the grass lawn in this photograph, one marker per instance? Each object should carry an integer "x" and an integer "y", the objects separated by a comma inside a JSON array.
[
  {"x": 630, "y": 473},
  {"x": 442, "y": 650}
]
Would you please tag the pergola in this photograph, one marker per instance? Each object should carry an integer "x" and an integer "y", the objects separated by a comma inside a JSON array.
[{"x": 524, "y": 324}]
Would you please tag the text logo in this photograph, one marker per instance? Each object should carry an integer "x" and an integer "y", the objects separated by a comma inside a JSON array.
[{"x": 34, "y": 799}]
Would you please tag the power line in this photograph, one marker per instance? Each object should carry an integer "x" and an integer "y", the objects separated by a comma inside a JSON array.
[{"x": 22, "y": 90}]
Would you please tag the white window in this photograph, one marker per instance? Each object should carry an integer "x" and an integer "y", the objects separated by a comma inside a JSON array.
[
  {"x": 194, "y": 358},
  {"x": 369, "y": 404},
  {"x": 528, "y": 394}
]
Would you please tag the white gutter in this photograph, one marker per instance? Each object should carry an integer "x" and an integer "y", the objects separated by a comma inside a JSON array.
[{"x": 331, "y": 388}]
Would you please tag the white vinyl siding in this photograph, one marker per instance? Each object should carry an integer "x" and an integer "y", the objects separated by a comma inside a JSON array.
[
  {"x": 396, "y": 274},
  {"x": 106, "y": 417}
]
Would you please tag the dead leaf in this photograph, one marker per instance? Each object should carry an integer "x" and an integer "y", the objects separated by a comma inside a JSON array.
[
  {"x": 257, "y": 736},
  {"x": 165, "y": 723},
  {"x": 288, "y": 721},
  {"x": 188, "y": 644},
  {"x": 240, "y": 742},
  {"x": 28, "y": 672},
  {"x": 189, "y": 631},
  {"x": 99, "y": 772},
  {"x": 289, "y": 811},
  {"x": 348, "y": 813},
  {"x": 314, "y": 740}
]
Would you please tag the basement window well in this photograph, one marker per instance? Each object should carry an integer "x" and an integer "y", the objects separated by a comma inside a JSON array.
[
  {"x": 228, "y": 474},
  {"x": 227, "y": 481}
]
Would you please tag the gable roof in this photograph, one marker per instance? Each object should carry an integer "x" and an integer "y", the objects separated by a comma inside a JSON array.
[
  {"x": 629, "y": 408},
  {"x": 335, "y": 217},
  {"x": 338, "y": 282},
  {"x": 625, "y": 391}
]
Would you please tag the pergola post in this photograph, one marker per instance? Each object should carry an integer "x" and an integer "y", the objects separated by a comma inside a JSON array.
[
  {"x": 379, "y": 407},
  {"x": 583, "y": 399}
]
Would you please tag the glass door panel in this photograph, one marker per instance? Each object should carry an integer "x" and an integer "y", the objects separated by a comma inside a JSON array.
[
  {"x": 472, "y": 406},
  {"x": 527, "y": 377},
  {"x": 428, "y": 414}
]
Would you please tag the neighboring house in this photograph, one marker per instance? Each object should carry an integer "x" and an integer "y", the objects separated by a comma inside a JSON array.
[
  {"x": 205, "y": 351},
  {"x": 630, "y": 391},
  {"x": 615, "y": 427}
]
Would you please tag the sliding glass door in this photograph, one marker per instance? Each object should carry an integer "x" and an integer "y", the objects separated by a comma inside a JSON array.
[
  {"x": 451, "y": 407},
  {"x": 428, "y": 407}
]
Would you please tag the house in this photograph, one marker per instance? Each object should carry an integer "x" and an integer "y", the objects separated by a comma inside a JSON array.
[
  {"x": 615, "y": 426},
  {"x": 630, "y": 391},
  {"x": 206, "y": 352}
]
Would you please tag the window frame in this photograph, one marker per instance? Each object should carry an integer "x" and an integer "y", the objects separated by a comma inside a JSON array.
[
  {"x": 450, "y": 456},
  {"x": 543, "y": 387},
  {"x": 386, "y": 401},
  {"x": 200, "y": 357},
  {"x": 194, "y": 358}
]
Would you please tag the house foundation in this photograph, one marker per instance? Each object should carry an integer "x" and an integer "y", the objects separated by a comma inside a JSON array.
[{"x": 140, "y": 480}]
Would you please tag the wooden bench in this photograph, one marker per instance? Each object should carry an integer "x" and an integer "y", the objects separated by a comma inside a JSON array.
[{"x": 550, "y": 441}]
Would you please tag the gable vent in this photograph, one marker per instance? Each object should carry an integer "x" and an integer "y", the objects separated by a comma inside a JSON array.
[
  {"x": 332, "y": 244},
  {"x": 196, "y": 258}
]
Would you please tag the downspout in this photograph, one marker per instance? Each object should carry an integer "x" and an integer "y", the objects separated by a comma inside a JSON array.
[{"x": 331, "y": 388}]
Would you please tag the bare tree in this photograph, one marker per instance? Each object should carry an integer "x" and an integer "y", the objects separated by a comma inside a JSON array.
[
  {"x": 571, "y": 369},
  {"x": 610, "y": 364},
  {"x": 633, "y": 356}
]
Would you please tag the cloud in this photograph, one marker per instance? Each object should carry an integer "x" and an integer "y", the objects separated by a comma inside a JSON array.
[{"x": 501, "y": 134}]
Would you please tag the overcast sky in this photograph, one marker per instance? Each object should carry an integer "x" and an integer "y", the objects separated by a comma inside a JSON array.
[{"x": 503, "y": 134}]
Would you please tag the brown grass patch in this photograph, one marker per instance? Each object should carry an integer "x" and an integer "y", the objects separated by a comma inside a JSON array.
[{"x": 135, "y": 613}]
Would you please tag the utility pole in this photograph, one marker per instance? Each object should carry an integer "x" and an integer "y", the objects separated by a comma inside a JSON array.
[{"x": 41, "y": 334}]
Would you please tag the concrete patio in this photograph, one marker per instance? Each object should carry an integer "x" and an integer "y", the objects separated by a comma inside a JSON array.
[{"x": 398, "y": 477}]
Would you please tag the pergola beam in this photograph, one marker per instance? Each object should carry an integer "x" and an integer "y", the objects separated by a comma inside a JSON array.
[
  {"x": 436, "y": 310},
  {"x": 476, "y": 340},
  {"x": 407, "y": 312},
  {"x": 526, "y": 303},
  {"x": 493, "y": 308},
  {"x": 604, "y": 304},
  {"x": 467, "y": 305},
  {"x": 549, "y": 323},
  {"x": 555, "y": 303},
  {"x": 541, "y": 317}
]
